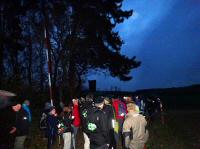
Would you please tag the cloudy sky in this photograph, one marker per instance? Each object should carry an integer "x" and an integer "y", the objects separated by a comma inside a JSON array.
[{"x": 165, "y": 36}]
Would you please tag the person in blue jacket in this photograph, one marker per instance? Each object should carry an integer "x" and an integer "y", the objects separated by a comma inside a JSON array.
[
  {"x": 26, "y": 107},
  {"x": 52, "y": 130}
]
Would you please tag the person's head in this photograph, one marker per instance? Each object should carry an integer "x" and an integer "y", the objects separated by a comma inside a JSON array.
[
  {"x": 99, "y": 102},
  {"x": 75, "y": 101},
  {"x": 107, "y": 100},
  {"x": 89, "y": 98},
  {"x": 82, "y": 100},
  {"x": 132, "y": 107},
  {"x": 16, "y": 107},
  {"x": 67, "y": 109},
  {"x": 127, "y": 99},
  {"x": 137, "y": 97},
  {"x": 52, "y": 110},
  {"x": 26, "y": 102}
]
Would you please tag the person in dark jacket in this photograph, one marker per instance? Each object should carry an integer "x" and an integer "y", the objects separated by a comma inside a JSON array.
[
  {"x": 85, "y": 105},
  {"x": 108, "y": 108},
  {"x": 65, "y": 127},
  {"x": 21, "y": 128},
  {"x": 52, "y": 122},
  {"x": 98, "y": 126}
]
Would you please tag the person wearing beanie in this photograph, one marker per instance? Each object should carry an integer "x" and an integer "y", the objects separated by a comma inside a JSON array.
[
  {"x": 47, "y": 106},
  {"x": 134, "y": 128},
  {"x": 51, "y": 130},
  {"x": 98, "y": 125}
]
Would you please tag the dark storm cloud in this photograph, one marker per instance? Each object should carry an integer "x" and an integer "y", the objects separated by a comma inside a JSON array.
[{"x": 165, "y": 36}]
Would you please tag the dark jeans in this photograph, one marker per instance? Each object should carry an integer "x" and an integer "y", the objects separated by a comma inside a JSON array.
[
  {"x": 75, "y": 131},
  {"x": 119, "y": 135},
  {"x": 113, "y": 143}
]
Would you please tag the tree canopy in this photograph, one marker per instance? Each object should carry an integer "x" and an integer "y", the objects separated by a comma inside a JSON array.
[{"x": 82, "y": 37}]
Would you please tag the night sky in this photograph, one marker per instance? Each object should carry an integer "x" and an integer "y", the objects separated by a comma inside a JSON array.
[{"x": 165, "y": 36}]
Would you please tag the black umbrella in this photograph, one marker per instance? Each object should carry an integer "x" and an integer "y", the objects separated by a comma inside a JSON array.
[{"x": 6, "y": 98}]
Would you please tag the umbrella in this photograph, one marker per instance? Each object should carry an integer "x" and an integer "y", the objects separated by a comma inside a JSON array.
[{"x": 6, "y": 98}]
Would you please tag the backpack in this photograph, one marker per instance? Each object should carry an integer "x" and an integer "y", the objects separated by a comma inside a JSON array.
[
  {"x": 121, "y": 109},
  {"x": 43, "y": 122}
]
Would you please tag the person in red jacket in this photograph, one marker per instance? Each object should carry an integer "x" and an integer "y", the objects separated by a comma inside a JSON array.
[
  {"x": 120, "y": 112},
  {"x": 76, "y": 122}
]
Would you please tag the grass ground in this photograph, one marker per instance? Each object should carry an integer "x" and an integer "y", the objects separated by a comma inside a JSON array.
[{"x": 180, "y": 131}]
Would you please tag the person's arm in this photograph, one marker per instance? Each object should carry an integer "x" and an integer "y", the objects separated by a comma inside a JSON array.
[
  {"x": 11, "y": 122},
  {"x": 127, "y": 133},
  {"x": 15, "y": 123},
  {"x": 146, "y": 131},
  {"x": 13, "y": 130}
]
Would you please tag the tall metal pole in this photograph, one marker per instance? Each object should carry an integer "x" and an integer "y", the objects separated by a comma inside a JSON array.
[{"x": 48, "y": 52}]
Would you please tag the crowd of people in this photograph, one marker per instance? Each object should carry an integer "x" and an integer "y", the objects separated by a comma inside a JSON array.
[{"x": 106, "y": 122}]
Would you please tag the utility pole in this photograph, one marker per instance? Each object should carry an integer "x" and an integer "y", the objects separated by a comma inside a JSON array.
[{"x": 47, "y": 46}]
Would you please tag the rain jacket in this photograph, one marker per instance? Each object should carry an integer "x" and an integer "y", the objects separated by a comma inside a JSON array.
[
  {"x": 117, "y": 104},
  {"x": 76, "y": 114}
]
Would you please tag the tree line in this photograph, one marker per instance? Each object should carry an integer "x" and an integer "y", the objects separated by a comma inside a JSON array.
[{"x": 81, "y": 37}]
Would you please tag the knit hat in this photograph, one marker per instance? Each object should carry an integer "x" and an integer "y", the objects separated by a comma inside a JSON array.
[
  {"x": 99, "y": 100},
  {"x": 51, "y": 108}
]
